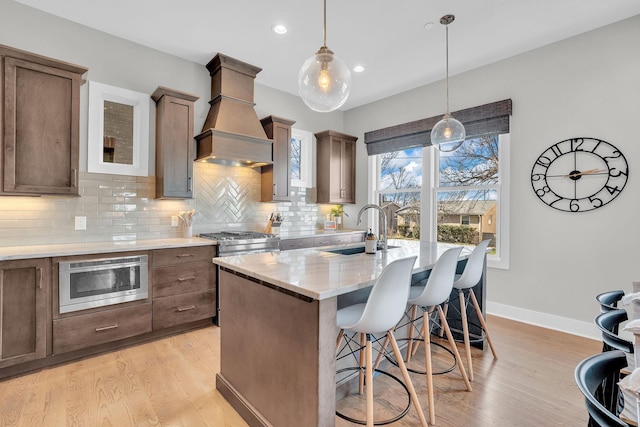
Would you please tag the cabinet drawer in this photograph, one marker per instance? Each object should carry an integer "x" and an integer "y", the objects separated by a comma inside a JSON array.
[
  {"x": 182, "y": 255},
  {"x": 73, "y": 333},
  {"x": 192, "y": 277},
  {"x": 178, "y": 309},
  {"x": 289, "y": 244},
  {"x": 333, "y": 240}
]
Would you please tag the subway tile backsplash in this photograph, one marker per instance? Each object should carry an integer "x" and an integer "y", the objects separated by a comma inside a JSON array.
[{"x": 119, "y": 207}]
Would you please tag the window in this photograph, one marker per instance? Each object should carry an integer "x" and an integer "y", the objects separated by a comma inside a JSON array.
[
  {"x": 462, "y": 196},
  {"x": 464, "y": 193},
  {"x": 469, "y": 197},
  {"x": 301, "y": 168},
  {"x": 399, "y": 192}
]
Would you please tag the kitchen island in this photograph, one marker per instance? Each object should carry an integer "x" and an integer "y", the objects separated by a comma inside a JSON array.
[{"x": 278, "y": 326}]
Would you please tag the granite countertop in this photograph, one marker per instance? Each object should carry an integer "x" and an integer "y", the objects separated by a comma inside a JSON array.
[
  {"x": 319, "y": 274},
  {"x": 68, "y": 249}
]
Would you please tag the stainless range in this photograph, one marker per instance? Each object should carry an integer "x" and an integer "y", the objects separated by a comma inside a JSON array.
[
  {"x": 240, "y": 243},
  {"x": 243, "y": 242}
]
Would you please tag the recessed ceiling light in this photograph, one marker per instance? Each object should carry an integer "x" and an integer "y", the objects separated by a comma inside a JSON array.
[
  {"x": 428, "y": 25},
  {"x": 358, "y": 68},
  {"x": 279, "y": 29}
]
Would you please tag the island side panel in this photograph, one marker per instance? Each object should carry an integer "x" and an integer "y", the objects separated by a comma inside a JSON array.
[{"x": 277, "y": 354}]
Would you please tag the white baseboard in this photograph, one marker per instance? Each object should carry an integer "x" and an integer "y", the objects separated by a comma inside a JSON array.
[{"x": 549, "y": 321}]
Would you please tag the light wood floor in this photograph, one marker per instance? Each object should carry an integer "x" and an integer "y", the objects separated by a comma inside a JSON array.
[{"x": 171, "y": 382}]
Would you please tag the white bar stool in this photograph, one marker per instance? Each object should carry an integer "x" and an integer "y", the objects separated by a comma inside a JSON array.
[
  {"x": 382, "y": 311},
  {"x": 429, "y": 298},
  {"x": 465, "y": 283}
]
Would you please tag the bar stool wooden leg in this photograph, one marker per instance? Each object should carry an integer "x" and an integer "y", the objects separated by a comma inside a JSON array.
[
  {"x": 429, "y": 369},
  {"x": 465, "y": 333},
  {"x": 369, "y": 380},
  {"x": 410, "y": 350},
  {"x": 452, "y": 343},
  {"x": 339, "y": 339},
  {"x": 407, "y": 379},
  {"x": 482, "y": 322},
  {"x": 363, "y": 343}
]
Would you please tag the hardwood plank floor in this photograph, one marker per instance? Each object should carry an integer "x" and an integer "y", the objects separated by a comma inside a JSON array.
[{"x": 171, "y": 382}]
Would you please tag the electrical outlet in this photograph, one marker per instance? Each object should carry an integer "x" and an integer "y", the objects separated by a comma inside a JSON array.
[
  {"x": 174, "y": 221},
  {"x": 81, "y": 223}
]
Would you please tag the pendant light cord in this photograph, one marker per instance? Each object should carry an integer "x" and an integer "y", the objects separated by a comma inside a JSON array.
[
  {"x": 447, "y": 66},
  {"x": 324, "y": 28}
]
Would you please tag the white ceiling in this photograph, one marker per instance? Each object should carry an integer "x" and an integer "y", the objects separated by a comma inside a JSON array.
[{"x": 387, "y": 37}]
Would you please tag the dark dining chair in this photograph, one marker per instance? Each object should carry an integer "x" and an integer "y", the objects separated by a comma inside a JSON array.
[
  {"x": 591, "y": 375},
  {"x": 609, "y": 300},
  {"x": 608, "y": 322}
]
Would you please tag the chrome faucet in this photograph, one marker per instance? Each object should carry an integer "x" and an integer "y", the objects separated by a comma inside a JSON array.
[{"x": 384, "y": 222}]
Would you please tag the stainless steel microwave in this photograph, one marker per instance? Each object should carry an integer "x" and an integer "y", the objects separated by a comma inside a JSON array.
[{"x": 99, "y": 282}]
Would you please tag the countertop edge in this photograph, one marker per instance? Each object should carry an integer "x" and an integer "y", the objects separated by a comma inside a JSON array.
[{"x": 70, "y": 249}]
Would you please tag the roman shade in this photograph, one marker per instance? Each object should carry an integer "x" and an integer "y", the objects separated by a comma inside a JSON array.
[{"x": 478, "y": 121}]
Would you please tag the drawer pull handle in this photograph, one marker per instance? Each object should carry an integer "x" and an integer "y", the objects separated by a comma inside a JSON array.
[
  {"x": 184, "y": 255},
  {"x": 190, "y": 307},
  {"x": 106, "y": 328},
  {"x": 184, "y": 279}
]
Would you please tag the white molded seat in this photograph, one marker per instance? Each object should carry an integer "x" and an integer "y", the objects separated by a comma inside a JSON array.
[
  {"x": 429, "y": 297},
  {"x": 466, "y": 282},
  {"x": 382, "y": 311}
]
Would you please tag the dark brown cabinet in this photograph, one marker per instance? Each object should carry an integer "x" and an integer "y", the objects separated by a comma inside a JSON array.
[
  {"x": 174, "y": 143},
  {"x": 184, "y": 286},
  {"x": 24, "y": 290},
  {"x": 276, "y": 178},
  {"x": 336, "y": 167},
  {"x": 39, "y": 139}
]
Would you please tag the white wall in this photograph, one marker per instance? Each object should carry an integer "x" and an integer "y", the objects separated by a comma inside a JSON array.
[{"x": 587, "y": 86}]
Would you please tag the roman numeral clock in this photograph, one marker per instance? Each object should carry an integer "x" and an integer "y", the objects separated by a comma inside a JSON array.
[{"x": 579, "y": 174}]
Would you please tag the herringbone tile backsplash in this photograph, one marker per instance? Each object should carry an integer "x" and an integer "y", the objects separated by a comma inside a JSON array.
[{"x": 119, "y": 207}]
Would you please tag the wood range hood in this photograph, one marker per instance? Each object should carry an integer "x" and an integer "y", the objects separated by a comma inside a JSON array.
[{"x": 232, "y": 133}]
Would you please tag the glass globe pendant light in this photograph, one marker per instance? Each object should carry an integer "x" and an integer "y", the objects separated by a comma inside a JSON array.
[
  {"x": 448, "y": 130},
  {"x": 324, "y": 81}
]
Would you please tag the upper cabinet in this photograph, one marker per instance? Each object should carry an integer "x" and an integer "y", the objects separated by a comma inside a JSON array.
[
  {"x": 336, "y": 167},
  {"x": 276, "y": 178},
  {"x": 40, "y": 124},
  {"x": 174, "y": 143}
]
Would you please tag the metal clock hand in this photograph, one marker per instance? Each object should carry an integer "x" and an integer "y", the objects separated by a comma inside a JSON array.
[{"x": 577, "y": 174}]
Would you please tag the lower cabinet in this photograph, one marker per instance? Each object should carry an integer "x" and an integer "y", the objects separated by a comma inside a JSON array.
[
  {"x": 87, "y": 330},
  {"x": 184, "y": 286},
  {"x": 182, "y": 291},
  {"x": 321, "y": 240},
  {"x": 24, "y": 296},
  {"x": 183, "y": 308}
]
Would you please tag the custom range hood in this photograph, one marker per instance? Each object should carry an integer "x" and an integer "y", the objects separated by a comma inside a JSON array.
[{"x": 232, "y": 133}]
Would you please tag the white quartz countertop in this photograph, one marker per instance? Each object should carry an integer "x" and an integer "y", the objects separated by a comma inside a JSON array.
[
  {"x": 319, "y": 274},
  {"x": 44, "y": 251}
]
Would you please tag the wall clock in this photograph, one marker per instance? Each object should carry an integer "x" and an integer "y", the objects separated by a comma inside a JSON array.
[{"x": 579, "y": 174}]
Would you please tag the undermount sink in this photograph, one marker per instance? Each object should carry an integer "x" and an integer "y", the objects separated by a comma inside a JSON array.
[{"x": 354, "y": 251}]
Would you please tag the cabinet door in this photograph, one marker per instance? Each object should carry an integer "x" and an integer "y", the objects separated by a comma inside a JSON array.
[
  {"x": 335, "y": 171},
  {"x": 348, "y": 172},
  {"x": 174, "y": 144},
  {"x": 276, "y": 178},
  {"x": 41, "y": 129},
  {"x": 24, "y": 287}
]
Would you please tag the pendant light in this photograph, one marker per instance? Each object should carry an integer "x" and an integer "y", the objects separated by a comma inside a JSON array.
[
  {"x": 448, "y": 130},
  {"x": 324, "y": 81}
]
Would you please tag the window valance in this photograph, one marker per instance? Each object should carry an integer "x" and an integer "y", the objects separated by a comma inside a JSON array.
[{"x": 478, "y": 121}]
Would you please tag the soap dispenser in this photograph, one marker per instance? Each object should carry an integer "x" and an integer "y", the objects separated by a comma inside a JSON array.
[{"x": 370, "y": 243}]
